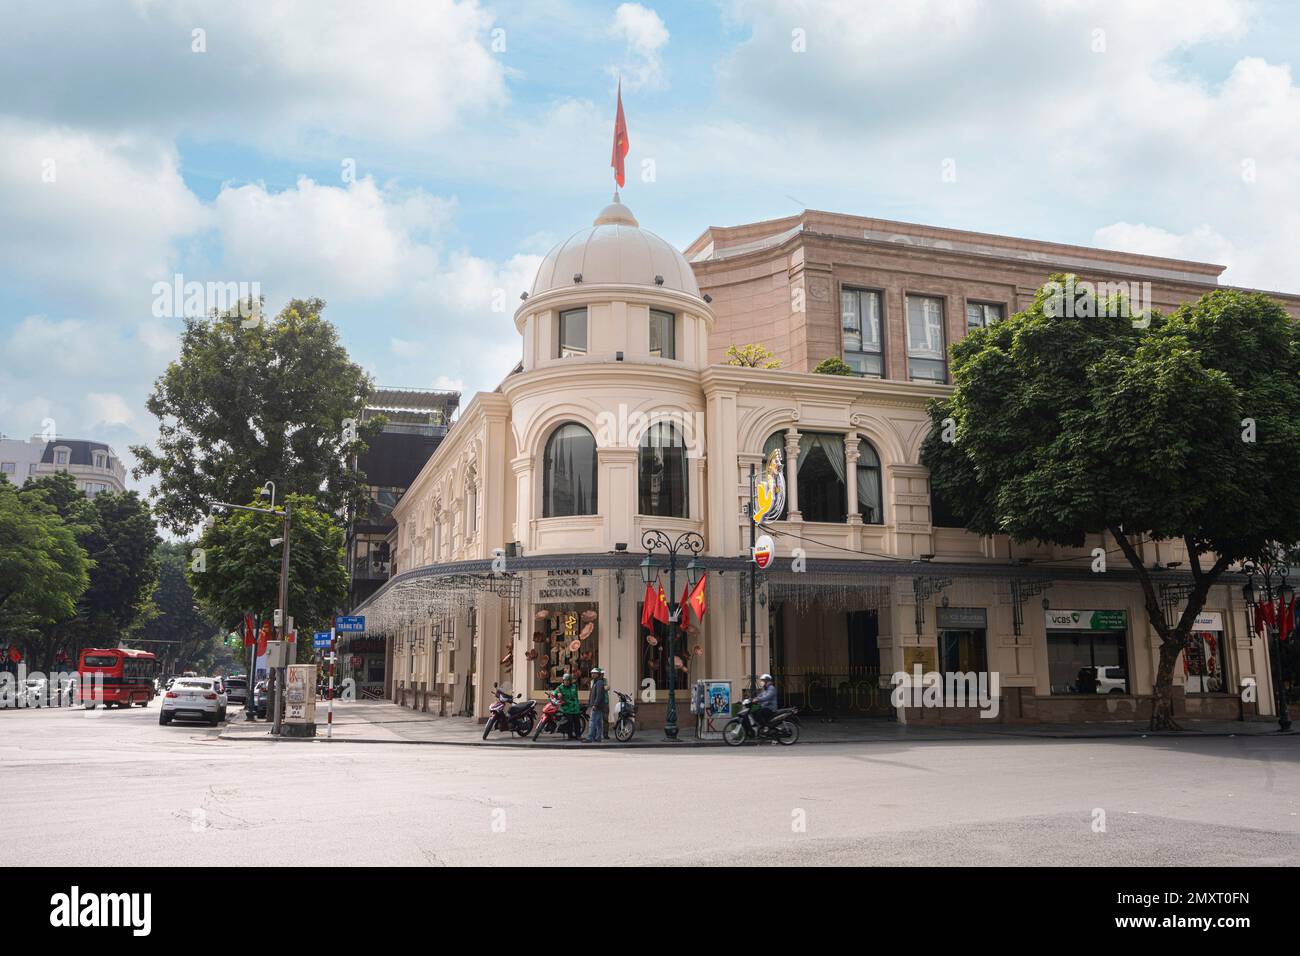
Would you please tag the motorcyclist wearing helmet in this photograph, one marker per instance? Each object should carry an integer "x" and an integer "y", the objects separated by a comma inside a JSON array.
[{"x": 764, "y": 704}]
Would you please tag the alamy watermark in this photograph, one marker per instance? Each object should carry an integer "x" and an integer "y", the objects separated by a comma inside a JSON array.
[
  {"x": 950, "y": 689},
  {"x": 673, "y": 429},
  {"x": 180, "y": 299},
  {"x": 1078, "y": 298}
]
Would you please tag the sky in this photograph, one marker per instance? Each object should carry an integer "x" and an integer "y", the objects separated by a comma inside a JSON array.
[{"x": 411, "y": 162}]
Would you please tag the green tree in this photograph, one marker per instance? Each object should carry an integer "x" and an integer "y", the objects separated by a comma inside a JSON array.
[
  {"x": 277, "y": 401},
  {"x": 117, "y": 533},
  {"x": 751, "y": 356},
  {"x": 173, "y": 625},
  {"x": 239, "y": 570},
  {"x": 834, "y": 366},
  {"x": 1073, "y": 418},
  {"x": 43, "y": 570}
]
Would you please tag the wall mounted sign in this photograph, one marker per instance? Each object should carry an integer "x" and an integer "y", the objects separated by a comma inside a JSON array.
[
  {"x": 1086, "y": 620},
  {"x": 962, "y": 619}
]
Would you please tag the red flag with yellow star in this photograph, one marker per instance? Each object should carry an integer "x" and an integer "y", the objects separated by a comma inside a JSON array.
[
  {"x": 696, "y": 601},
  {"x": 620, "y": 139},
  {"x": 661, "y": 607}
]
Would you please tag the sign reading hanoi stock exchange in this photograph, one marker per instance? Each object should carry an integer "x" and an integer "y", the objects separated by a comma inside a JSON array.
[{"x": 566, "y": 585}]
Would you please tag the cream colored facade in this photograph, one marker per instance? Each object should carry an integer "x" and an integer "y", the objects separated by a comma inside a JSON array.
[{"x": 481, "y": 569}]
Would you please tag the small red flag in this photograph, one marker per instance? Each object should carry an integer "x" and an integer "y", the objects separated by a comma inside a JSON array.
[
  {"x": 684, "y": 609},
  {"x": 620, "y": 139},
  {"x": 648, "y": 607},
  {"x": 661, "y": 607},
  {"x": 262, "y": 638},
  {"x": 1286, "y": 618},
  {"x": 697, "y": 601},
  {"x": 250, "y": 635}
]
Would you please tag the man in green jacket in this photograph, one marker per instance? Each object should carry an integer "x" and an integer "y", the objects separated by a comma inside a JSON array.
[{"x": 569, "y": 706}]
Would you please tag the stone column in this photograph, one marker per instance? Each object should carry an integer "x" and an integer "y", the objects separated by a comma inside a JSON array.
[
  {"x": 851, "y": 476},
  {"x": 792, "y": 474}
]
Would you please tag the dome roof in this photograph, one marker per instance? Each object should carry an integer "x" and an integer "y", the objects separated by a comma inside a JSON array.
[{"x": 615, "y": 250}]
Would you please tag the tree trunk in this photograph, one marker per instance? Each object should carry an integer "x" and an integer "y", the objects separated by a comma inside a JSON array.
[{"x": 1162, "y": 711}]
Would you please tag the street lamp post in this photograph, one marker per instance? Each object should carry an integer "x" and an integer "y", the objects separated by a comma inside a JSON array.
[
  {"x": 1267, "y": 567},
  {"x": 655, "y": 540}
]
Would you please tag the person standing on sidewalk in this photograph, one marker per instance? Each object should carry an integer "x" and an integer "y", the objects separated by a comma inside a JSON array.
[
  {"x": 569, "y": 706},
  {"x": 597, "y": 706}
]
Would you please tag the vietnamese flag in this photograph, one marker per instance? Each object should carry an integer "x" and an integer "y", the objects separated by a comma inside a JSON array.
[
  {"x": 250, "y": 635},
  {"x": 1286, "y": 618},
  {"x": 648, "y": 608},
  {"x": 696, "y": 601},
  {"x": 661, "y": 607},
  {"x": 683, "y": 609},
  {"x": 262, "y": 638},
  {"x": 620, "y": 139}
]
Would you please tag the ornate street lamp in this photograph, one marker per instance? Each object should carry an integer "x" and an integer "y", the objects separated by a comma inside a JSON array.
[
  {"x": 655, "y": 540},
  {"x": 1266, "y": 567}
]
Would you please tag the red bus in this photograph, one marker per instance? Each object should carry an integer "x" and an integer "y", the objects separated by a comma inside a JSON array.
[{"x": 116, "y": 676}]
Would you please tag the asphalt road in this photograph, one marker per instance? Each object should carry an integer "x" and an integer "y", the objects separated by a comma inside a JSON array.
[{"x": 116, "y": 788}]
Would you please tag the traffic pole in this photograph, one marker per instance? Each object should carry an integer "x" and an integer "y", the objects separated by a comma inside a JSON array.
[{"x": 329, "y": 707}]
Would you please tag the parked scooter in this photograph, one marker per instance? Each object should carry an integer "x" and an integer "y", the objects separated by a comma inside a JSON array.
[
  {"x": 552, "y": 719},
  {"x": 624, "y": 717},
  {"x": 508, "y": 716},
  {"x": 782, "y": 726}
]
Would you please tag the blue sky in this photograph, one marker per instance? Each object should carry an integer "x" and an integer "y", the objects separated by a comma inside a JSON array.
[{"x": 132, "y": 148}]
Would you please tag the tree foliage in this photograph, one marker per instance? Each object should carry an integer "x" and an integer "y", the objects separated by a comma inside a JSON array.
[
  {"x": 242, "y": 406},
  {"x": 751, "y": 356},
  {"x": 834, "y": 366},
  {"x": 1065, "y": 422},
  {"x": 173, "y": 626},
  {"x": 239, "y": 570},
  {"x": 43, "y": 571}
]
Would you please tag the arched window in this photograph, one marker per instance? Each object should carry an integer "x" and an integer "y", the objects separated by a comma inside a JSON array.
[
  {"x": 569, "y": 473},
  {"x": 870, "y": 499},
  {"x": 663, "y": 474},
  {"x": 775, "y": 442},
  {"x": 823, "y": 488}
]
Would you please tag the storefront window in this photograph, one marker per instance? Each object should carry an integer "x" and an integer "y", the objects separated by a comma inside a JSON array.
[
  {"x": 567, "y": 642},
  {"x": 663, "y": 475},
  {"x": 1087, "y": 652},
  {"x": 1203, "y": 662}
]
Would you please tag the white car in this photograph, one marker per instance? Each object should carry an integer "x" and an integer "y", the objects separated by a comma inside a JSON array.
[
  {"x": 32, "y": 693},
  {"x": 197, "y": 697}
]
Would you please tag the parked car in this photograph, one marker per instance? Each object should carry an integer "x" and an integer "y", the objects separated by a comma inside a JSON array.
[
  {"x": 237, "y": 690},
  {"x": 1112, "y": 680},
  {"x": 259, "y": 699},
  {"x": 194, "y": 697},
  {"x": 32, "y": 693}
]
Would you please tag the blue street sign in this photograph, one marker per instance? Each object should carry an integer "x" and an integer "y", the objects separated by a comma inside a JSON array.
[
  {"x": 350, "y": 625},
  {"x": 321, "y": 640}
]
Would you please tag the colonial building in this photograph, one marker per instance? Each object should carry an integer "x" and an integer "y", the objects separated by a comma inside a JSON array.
[
  {"x": 93, "y": 465},
  {"x": 518, "y": 545}
]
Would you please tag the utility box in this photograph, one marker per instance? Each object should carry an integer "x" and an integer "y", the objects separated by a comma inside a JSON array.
[
  {"x": 300, "y": 700},
  {"x": 276, "y": 654}
]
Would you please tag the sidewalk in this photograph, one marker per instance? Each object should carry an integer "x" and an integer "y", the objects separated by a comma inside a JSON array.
[{"x": 385, "y": 722}]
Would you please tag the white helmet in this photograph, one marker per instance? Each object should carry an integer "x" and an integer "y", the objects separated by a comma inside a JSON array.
[{"x": 766, "y": 677}]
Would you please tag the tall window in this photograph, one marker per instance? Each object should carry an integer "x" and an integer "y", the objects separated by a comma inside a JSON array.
[
  {"x": 925, "y": 350},
  {"x": 860, "y": 319},
  {"x": 663, "y": 475},
  {"x": 60, "y": 457},
  {"x": 870, "y": 500},
  {"x": 663, "y": 334},
  {"x": 981, "y": 314},
  {"x": 823, "y": 493},
  {"x": 573, "y": 333},
  {"x": 569, "y": 473}
]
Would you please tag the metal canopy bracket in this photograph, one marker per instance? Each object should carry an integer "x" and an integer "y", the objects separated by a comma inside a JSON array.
[
  {"x": 925, "y": 587},
  {"x": 1022, "y": 589}
]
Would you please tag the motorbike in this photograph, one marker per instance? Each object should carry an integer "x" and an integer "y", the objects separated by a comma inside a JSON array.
[
  {"x": 782, "y": 726},
  {"x": 624, "y": 717},
  {"x": 508, "y": 716},
  {"x": 552, "y": 720}
]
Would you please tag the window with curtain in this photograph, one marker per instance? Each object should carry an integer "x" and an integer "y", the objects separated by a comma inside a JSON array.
[
  {"x": 981, "y": 314},
  {"x": 573, "y": 333},
  {"x": 663, "y": 339},
  {"x": 823, "y": 491},
  {"x": 569, "y": 473},
  {"x": 775, "y": 441},
  {"x": 870, "y": 499},
  {"x": 925, "y": 348},
  {"x": 860, "y": 320},
  {"x": 663, "y": 474}
]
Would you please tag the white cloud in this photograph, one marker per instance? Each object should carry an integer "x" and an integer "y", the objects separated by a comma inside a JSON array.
[
  {"x": 645, "y": 35},
  {"x": 108, "y": 408},
  {"x": 297, "y": 70},
  {"x": 343, "y": 244}
]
